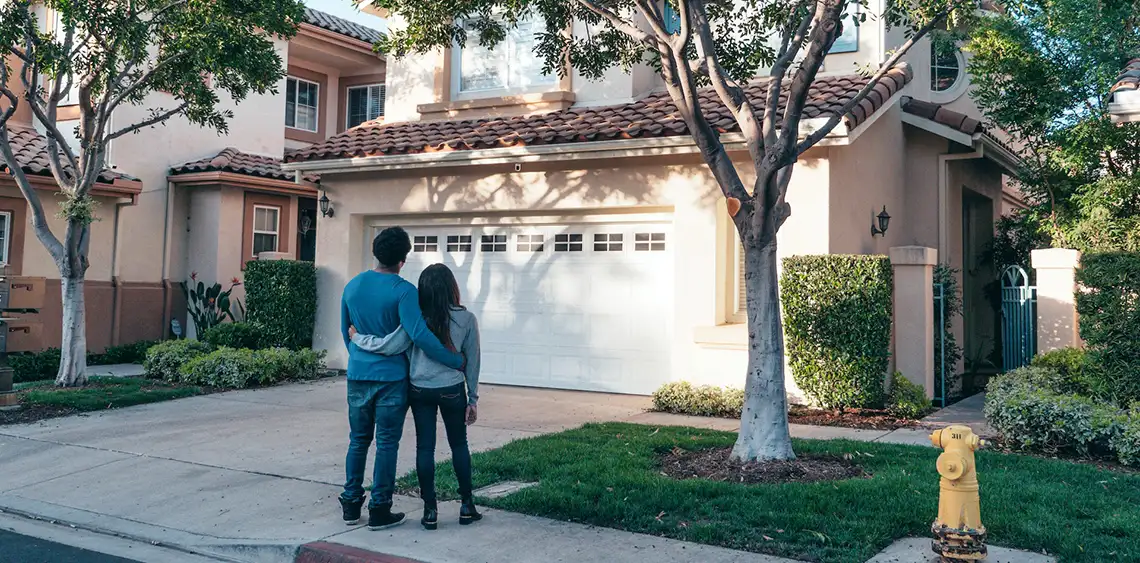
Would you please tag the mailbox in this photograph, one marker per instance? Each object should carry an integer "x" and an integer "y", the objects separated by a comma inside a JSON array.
[
  {"x": 23, "y": 292},
  {"x": 21, "y": 333}
]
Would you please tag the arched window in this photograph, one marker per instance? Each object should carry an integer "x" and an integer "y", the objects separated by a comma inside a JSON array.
[{"x": 945, "y": 68}]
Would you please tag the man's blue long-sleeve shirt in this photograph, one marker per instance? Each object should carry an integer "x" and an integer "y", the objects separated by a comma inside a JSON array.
[{"x": 379, "y": 303}]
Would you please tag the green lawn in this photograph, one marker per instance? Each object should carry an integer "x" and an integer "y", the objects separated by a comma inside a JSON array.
[
  {"x": 105, "y": 393},
  {"x": 606, "y": 474}
]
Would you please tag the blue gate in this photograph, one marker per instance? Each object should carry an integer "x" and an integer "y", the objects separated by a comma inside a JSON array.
[{"x": 1018, "y": 318}]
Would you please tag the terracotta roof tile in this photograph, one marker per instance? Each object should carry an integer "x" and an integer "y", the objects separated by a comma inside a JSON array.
[
  {"x": 653, "y": 116},
  {"x": 342, "y": 26},
  {"x": 31, "y": 151},
  {"x": 1129, "y": 78},
  {"x": 940, "y": 114},
  {"x": 237, "y": 162}
]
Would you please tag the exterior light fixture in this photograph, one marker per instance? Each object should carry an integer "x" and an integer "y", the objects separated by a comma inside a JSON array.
[
  {"x": 326, "y": 205},
  {"x": 883, "y": 220}
]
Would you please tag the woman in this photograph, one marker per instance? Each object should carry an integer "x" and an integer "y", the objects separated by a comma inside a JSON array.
[{"x": 435, "y": 387}]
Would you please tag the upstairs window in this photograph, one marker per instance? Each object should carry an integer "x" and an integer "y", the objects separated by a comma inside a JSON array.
[
  {"x": 301, "y": 104},
  {"x": 945, "y": 67},
  {"x": 512, "y": 64},
  {"x": 5, "y": 235},
  {"x": 365, "y": 103}
]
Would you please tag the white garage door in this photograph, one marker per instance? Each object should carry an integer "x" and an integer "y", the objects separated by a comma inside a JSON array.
[{"x": 570, "y": 306}]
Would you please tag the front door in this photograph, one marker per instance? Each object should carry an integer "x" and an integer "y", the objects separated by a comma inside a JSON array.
[{"x": 307, "y": 229}]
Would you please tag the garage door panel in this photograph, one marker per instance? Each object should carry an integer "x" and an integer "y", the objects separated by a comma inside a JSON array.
[{"x": 554, "y": 311}]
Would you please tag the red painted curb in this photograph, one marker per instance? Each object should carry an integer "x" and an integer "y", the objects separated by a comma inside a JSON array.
[{"x": 326, "y": 552}]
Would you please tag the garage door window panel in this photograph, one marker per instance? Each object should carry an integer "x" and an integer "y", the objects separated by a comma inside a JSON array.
[
  {"x": 649, "y": 242},
  {"x": 568, "y": 242},
  {"x": 493, "y": 243},
  {"x": 459, "y": 243},
  {"x": 608, "y": 242},
  {"x": 425, "y": 243}
]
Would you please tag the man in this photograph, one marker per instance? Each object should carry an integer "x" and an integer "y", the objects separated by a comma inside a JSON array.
[{"x": 377, "y": 302}]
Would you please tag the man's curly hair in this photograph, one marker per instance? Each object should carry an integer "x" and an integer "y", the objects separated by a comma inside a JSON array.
[{"x": 391, "y": 246}]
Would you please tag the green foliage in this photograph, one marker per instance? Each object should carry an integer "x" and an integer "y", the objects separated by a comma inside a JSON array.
[
  {"x": 282, "y": 299},
  {"x": 209, "y": 306},
  {"x": 1072, "y": 366},
  {"x": 234, "y": 335},
  {"x": 946, "y": 347},
  {"x": 165, "y": 359},
  {"x": 231, "y": 368},
  {"x": 102, "y": 393},
  {"x": 35, "y": 366},
  {"x": 1109, "y": 309},
  {"x": 837, "y": 315},
  {"x": 907, "y": 399},
  {"x": 1026, "y": 407},
  {"x": 1018, "y": 235},
  {"x": 681, "y": 397},
  {"x": 1126, "y": 443},
  {"x": 134, "y": 353}
]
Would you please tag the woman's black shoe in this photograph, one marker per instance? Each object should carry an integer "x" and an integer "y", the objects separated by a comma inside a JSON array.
[
  {"x": 430, "y": 520},
  {"x": 467, "y": 512}
]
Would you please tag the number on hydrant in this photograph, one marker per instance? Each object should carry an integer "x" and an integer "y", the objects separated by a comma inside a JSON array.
[{"x": 958, "y": 532}]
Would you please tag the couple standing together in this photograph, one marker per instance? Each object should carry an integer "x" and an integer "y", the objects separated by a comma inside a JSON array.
[{"x": 406, "y": 348}]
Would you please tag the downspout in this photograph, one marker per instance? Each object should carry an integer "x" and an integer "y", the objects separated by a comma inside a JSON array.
[
  {"x": 116, "y": 280},
  {"x": 167, "y": 297}
]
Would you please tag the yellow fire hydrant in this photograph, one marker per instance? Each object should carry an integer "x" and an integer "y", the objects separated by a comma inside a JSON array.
[{"x": 958, "y": 531}]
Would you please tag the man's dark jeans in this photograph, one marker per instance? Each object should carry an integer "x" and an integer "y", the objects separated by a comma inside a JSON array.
[
  {"x": 451, "y": 402},
  {"x": 374, "y": 407}
]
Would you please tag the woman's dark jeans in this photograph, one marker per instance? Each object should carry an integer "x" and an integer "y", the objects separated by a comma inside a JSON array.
[{"x": 451, "y": 402}]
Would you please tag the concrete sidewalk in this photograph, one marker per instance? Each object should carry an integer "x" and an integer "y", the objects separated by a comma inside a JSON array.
[{"x": 250, "y": 475}]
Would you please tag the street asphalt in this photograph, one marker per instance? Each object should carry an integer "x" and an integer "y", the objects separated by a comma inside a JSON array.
[{"x": 17, "y": 548}]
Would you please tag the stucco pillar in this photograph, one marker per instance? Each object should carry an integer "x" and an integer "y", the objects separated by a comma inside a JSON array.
[
  {"x": 1057, "y": 325},
  {"x": 914, "y": 313}
]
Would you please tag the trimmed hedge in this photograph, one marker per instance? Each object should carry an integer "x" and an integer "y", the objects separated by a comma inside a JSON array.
[
  {"x": 837, "y": 323},
  {"x": 682, "y": 397},
  {"x": 281, "y": 301},
  {"x": 1072, "y": 366},
  {"x": 231, "y": 368},
  {"x": 165, "y": 359},
  {"x": 234, "y": 335},
  {"x": 1109, "y": 310}
]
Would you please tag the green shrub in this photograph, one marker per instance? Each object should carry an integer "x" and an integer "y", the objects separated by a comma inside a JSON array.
[
  {"x": 231, "y": 368},
  {"x": 1070, "y": 363},
  {"x": 35, "y": 366},
  {"x": 907, "y": 399},
  {"x": 164, "y": 360},
  {"x": 1109, "y": 310},
  {"x": 281, "y": 296},
  {"x": 682, "y": 397},
  {"x": 947, "y": 352},
  {"x": 234, "y": 335},
  {"x": 837, "y": 315},
  {"x": 1126, "y": 444},
  {"x": 1025, "y": 408},
  {"x": 134, "y": 353}
]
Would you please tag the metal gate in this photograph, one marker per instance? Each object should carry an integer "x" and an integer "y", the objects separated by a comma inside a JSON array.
[
  {"x": 940, "y": 344},
  {"x": 1018, "y": 318}
]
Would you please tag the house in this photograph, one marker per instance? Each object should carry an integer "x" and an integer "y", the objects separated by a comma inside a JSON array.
[
  {"x": 592, "y": 241},
  {"x": 1125, "y": 103},
  {"x": 180, "y": 199}
]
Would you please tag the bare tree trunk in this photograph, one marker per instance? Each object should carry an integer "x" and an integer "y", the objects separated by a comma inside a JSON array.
[
  {"x": 764, "y": 423},
  {"x": 73, "y": 362}
]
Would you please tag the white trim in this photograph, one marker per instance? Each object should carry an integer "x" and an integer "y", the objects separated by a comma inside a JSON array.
[
  {"x": 1125, "y": 107},
  {"x": 656, "y": 146},
  {"x": 276, "y": 233},
  {"x": 938, "y": 129},
  {"x": 5, "y": 249},
  {"x": 854, "y": 134},
  {"x": 348, "y": 102},
  {"x": 507, "y": 90},
  {"x": 508, "y": 219},
  {"x": 317, "y": 107}
]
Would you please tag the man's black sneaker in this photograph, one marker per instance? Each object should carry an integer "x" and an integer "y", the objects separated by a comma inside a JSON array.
[
  {"x": 381, "y": 517},
  {"x": 430, "y": 520},
  {"x": 351, "y": 511},
  {"x": 467, "y": 512}
]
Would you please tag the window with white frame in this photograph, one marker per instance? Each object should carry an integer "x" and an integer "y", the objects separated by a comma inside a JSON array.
[
  {"x": 5, "y": 235},
  {"x": 459, "y": 243},
  {"x": 739, "y": 312},
  {"x": 301, "y": 104},
  {"x": 425, "y": 243},
  {"x": 71, "y": 96},
  {"x": 365, "y": 103},
  {"x": 266, "y": 229},
  {"x": 945, "y": 67},
  {"x": 511, "y": 65}
]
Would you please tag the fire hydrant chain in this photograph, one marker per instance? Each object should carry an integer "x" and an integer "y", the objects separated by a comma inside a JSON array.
[{"x": 958, "y": 532}]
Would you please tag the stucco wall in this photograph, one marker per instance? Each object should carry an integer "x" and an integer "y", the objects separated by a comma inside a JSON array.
[{"x": 639, "y": 183}]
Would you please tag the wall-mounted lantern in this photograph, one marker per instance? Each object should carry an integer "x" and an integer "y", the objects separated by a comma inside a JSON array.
[
  {"x": 326, "y": 205},
  {"x": 883, "y": 221}
]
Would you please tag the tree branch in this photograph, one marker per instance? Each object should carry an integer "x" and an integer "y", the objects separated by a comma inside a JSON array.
[
  {"x": 153, "y": 120},
  {"x": 818, "y": 135},
  {"x": 56, "y": 142},
  {"x": 39, "y": 219},
  {"x": 619, "y": 23},
  {"x": 789, "y": 49},
  {"x": 141, "y": 81}
]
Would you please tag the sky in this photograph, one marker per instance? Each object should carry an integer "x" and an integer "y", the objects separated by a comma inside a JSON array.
[{"x": 345, "y": 9}]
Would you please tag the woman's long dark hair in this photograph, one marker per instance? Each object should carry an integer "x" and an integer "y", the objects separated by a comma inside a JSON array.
[{"x": 439, "y": 295}]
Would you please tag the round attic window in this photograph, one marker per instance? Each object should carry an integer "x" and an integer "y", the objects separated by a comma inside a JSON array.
[{"x": 945, "y": 68}]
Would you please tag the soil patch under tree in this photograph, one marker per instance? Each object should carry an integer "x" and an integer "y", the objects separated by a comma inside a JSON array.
[{"x": 716, "y": 464}]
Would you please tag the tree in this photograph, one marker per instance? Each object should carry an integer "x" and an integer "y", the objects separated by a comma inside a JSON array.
[
  {"x": 111, "y": 53},
  {"x": 723, "y": 44},
  {"x": 1043, "y": 72}
]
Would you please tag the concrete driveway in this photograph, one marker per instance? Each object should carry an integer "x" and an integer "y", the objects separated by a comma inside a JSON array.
[{"x": 240, "y": 467}]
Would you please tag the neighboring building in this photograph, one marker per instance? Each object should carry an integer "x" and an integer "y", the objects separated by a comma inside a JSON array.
[
  {"x": 589, "y": 236},
  {"x": 1125, "y": 103},
  {"x": 196, "y": 201}
]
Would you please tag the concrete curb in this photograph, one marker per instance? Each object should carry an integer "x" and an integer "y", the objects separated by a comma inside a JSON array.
[{"x": 327, "y": 552}]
